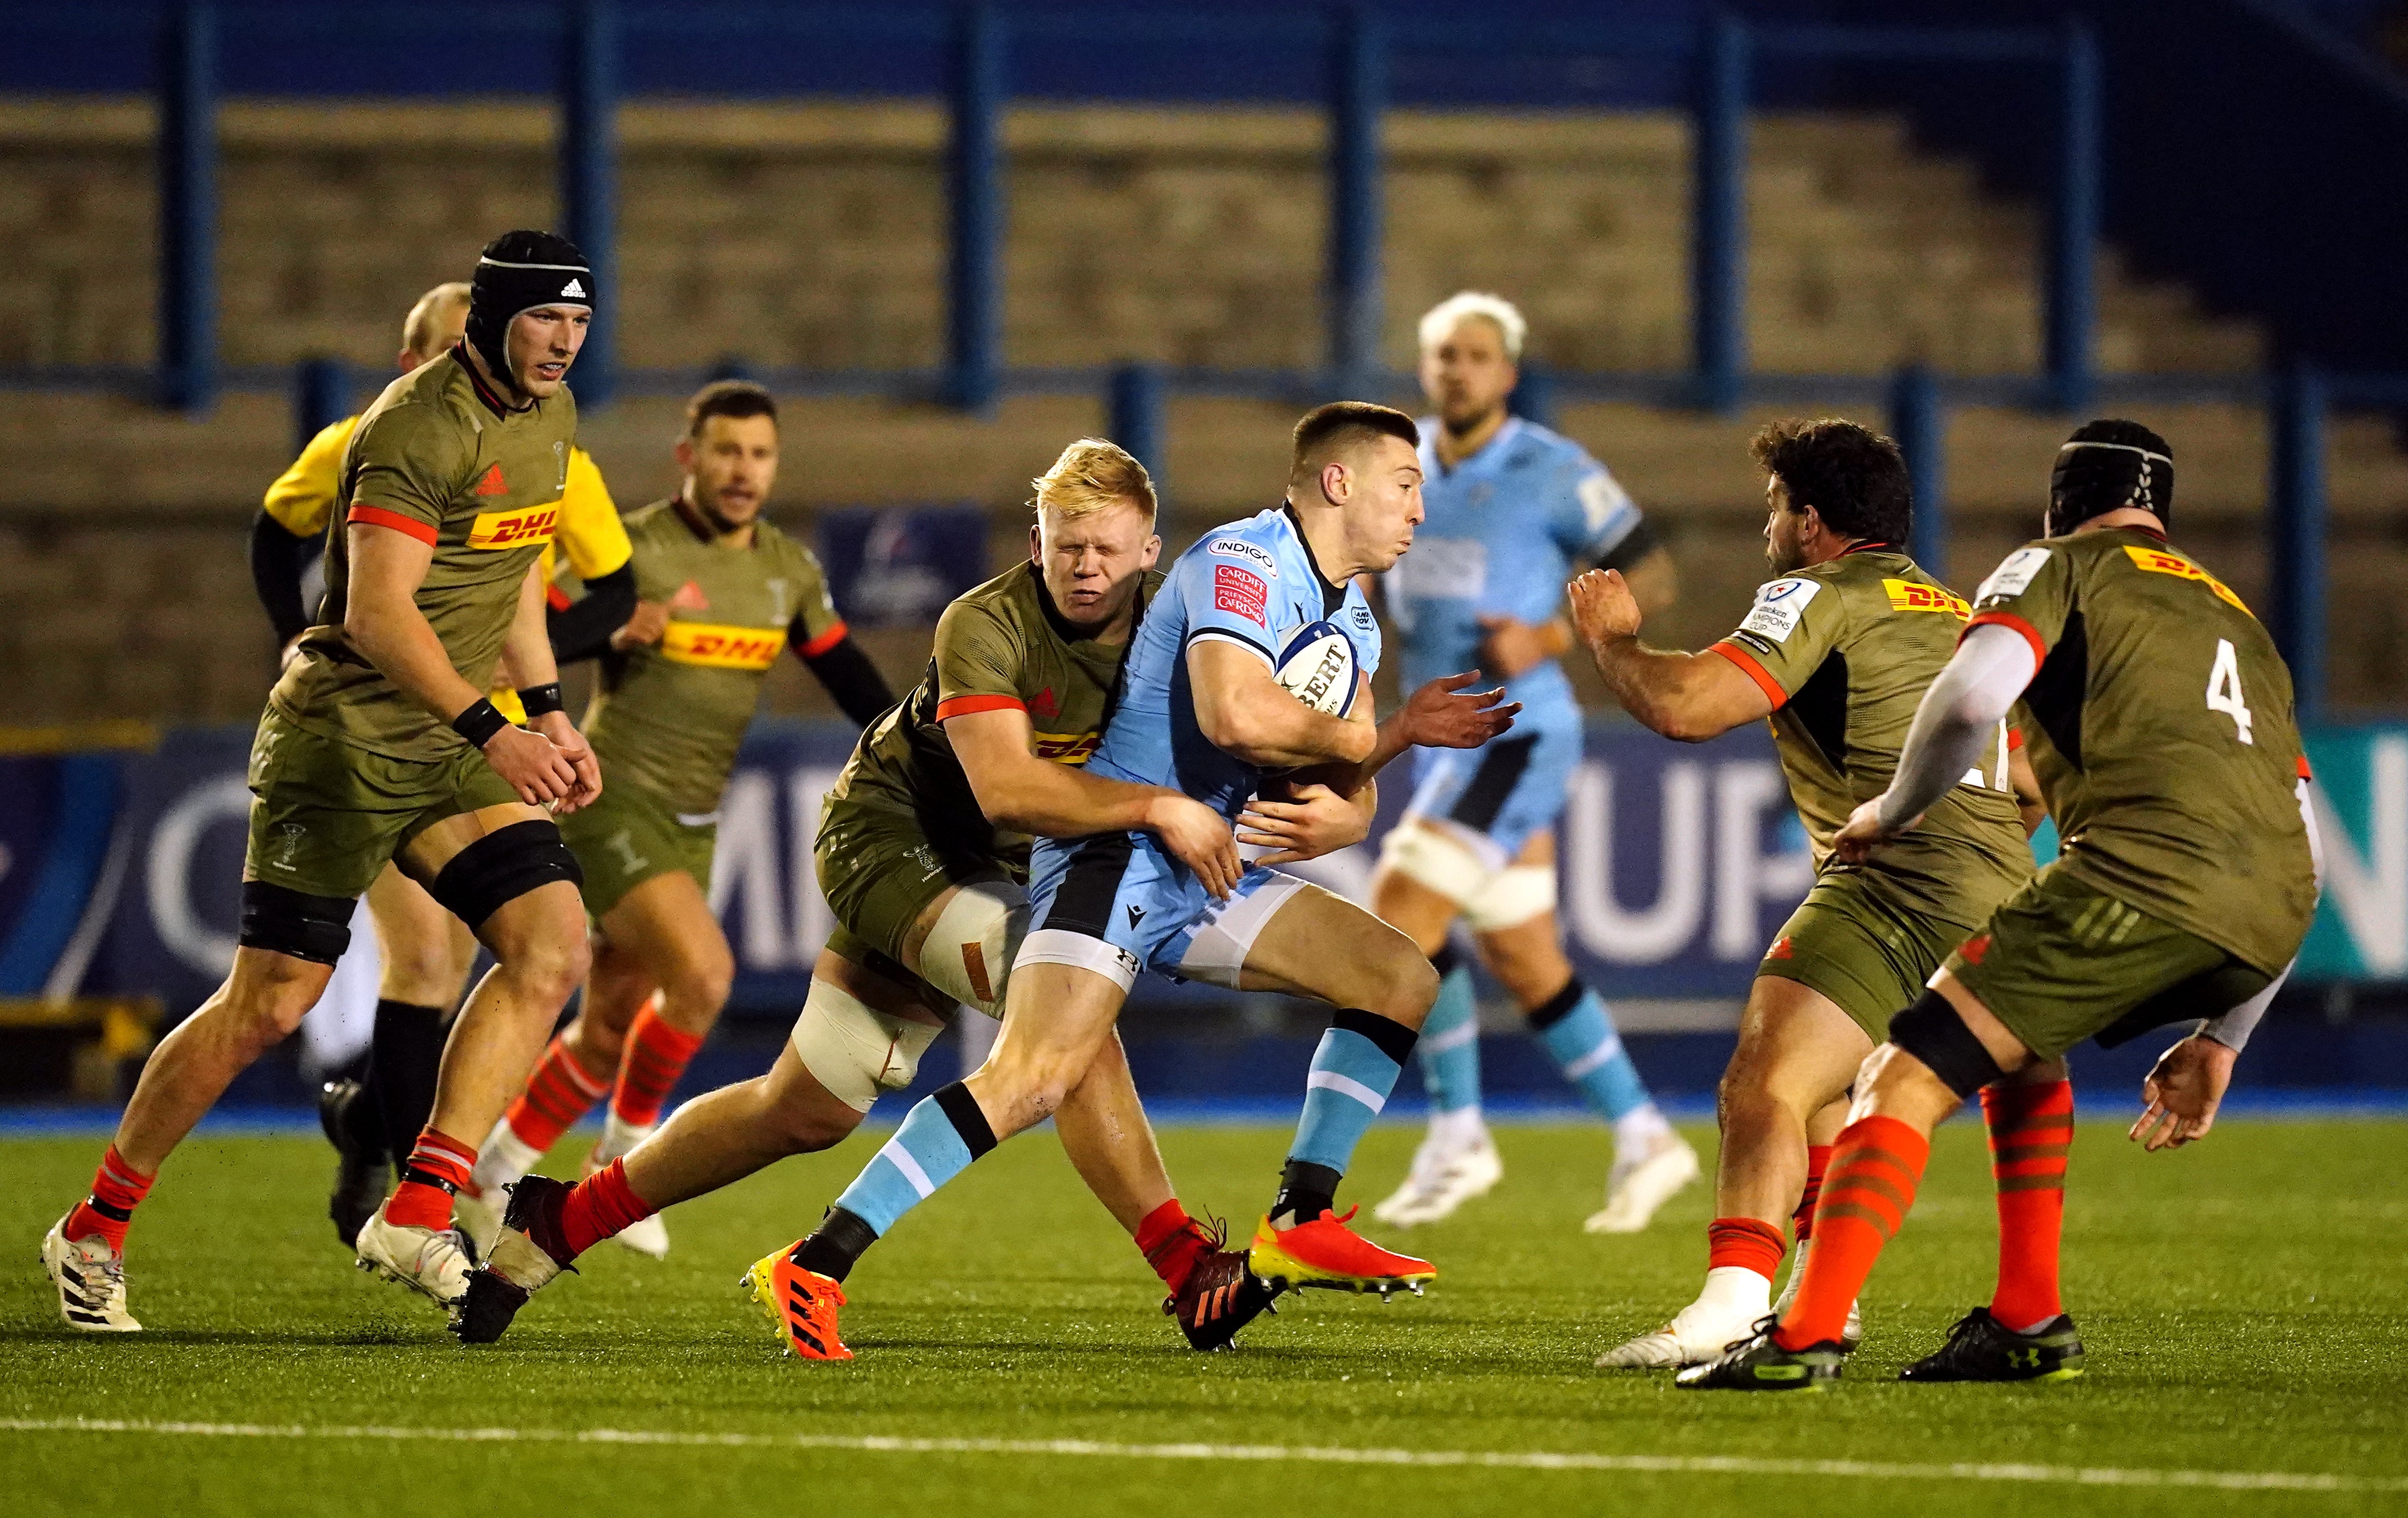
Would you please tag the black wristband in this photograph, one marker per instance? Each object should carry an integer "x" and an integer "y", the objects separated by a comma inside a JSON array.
[
  {"x": 538, "y": 700},
  {"x": 479, "y": 723}
]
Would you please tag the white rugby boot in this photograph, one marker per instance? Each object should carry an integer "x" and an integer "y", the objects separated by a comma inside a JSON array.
[
  {"x": 1456, "y": 1162},
  {"x": 1734, "y": 1301},
  {"x": 434, "y": 1262},
  {"x": 649, "y": 1236},
  {"x": 1640, "y": 1183},
  {"x": 90, "y": 1279},
  {"x": 1850, "y": 1337}
]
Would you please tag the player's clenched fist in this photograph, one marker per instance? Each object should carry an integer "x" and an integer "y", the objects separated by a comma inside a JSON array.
[
  {"x": 571, "y": 743},
  {"x": 1603, "y": 607},
  {"x": 533, "y": 765},
  {"x": 1443, "y": 715}
]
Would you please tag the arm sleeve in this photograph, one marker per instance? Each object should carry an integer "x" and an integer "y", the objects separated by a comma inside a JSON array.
[
  {"x": 302, "y": 497},
  {"x": 1791, "y": 628},
  {"x": 406, "y": 468},
  {"x": 583, "y": 628},
  {"x": 277, "y": 558},
  {"x": 817, "y": 628},
  {"x": 2032, "y": 591},
  {"x": 591, "y": 534},
  {"x": 1224, "y": 589},
  {"x": 1958, "y": 723},
  {"x": 856, "y": 684},
  {"x": 978, "y": 661}
]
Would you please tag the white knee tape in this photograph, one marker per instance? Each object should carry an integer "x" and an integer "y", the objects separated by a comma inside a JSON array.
[
  {"x": 1430, "y": 858},
  {"x": 968, "y": 953},
  {"x": 855, "y": 1050},
  {"x": 1511, "y": 898}
]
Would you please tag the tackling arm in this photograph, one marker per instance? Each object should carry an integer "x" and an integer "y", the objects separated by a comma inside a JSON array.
[{"x": 1689, "y": 698}]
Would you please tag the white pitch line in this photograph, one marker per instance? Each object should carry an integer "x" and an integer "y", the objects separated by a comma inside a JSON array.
[{"x": 1706, "y": 1464}]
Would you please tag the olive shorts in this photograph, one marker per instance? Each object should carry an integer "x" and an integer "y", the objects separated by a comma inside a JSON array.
[
  {"x": 1853, "y": 940},
  {"x": 629, "y": 836},
  {"x": 325, "y": 816}
]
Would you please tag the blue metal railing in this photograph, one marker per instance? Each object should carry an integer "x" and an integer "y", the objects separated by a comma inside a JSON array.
[{"x": 1723, "y": 54}]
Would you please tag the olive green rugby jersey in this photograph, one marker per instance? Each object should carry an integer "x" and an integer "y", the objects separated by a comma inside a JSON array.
[
  {"x": 439, "y": 457},
  {"x": 2160, "y": 726},
  {"x": 1845, "y": 649},
  {"x": 1000, "y": 645},
  {"x": 669, "y": 716}
]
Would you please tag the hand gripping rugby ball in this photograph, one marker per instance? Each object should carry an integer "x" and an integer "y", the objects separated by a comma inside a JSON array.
[{"x": 1318, "y": 668}]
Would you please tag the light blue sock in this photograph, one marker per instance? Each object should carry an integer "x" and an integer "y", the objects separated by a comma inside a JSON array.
[
  {"x": 1353, "y": 1073},
  {"x": 1576, "y": 1029},
  {"x": 928, "y": 1149},
  {"x": 1450, "y": 1045}
]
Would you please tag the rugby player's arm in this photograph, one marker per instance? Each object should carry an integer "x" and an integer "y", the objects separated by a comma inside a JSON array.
[
  {"x": 1957, "y": 720},
  {"x": 1242, "y": 711},
  {"x": 279, "y": 557},
  {"x": 527, "y": 662},
  {"x": 1019, "y": 791},
  {"x": 582, "y": 629},
  {"x": 845, "y": 670},
  {"x": 1689, "y": 698}
]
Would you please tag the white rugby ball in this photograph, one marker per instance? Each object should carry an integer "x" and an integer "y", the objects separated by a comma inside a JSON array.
[{"x": 1318, "y": 668}]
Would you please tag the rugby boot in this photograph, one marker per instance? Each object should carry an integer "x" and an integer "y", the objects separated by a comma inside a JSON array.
[
  {"x": 434, "y": 1262},
  {"x": 90, "y": 1280},
  {"x": 1757, "y": 1363},
  {"x": 649, "y": 1235},
  {"x": 801, "y": 1303},
  {"x": 363, "y": 1171},
  {"x": 529, "y": 1252},
  {"x": 1980, "y": 1348},
  {"x": 1697, "y": 1334},
  {"x": 1635, "y": 1188},
  {"x": 1325, "y": 1252},
  {"x": 1850, "y": 1336},
  {"x": 478, "y": 1214},
  {"x": 1219, "y": 1295},
  {"x": 1446, "y": 1175}
]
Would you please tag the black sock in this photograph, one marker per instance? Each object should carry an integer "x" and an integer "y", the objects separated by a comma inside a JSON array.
[
  {"x": 840, "y": 1240},
  {"x": 1306, "y": 1191},
  {"x": 406, "y": 1052}
]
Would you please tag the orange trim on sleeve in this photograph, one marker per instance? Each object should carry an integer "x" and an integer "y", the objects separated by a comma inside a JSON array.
[
  {"x": 2014, "y": 738},
  {"x": 377, "y": 516},
  {"x": 1754, "y": 671},
  {"x": 2008, "y": 618},
  {"x": 2305, "y": 773},
  {"x": 554, "y": 598},
  {"x": 962, "y": 705},
  {"x": 829, "y": 639}
]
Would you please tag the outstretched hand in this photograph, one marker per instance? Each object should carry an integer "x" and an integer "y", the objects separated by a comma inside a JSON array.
[
  {"x": 2183, "y": 1091},
  {"x": 1602, "y": 607},
  {"x": 1443, "y": 715}
]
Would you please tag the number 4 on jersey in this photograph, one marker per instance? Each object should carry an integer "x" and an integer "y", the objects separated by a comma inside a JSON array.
[{"x": 2224, "y": 689}]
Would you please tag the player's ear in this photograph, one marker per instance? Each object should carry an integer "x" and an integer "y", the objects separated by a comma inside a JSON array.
[
  {"x": 1152, "y": 553},
  {"x": 1035, "y": 545},
  {"x": 1337, "y": 482},
  {"x": 685, "y": 455}
]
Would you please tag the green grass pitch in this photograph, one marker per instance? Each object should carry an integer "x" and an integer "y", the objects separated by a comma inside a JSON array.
[{"x": 2242, "y": 1301}]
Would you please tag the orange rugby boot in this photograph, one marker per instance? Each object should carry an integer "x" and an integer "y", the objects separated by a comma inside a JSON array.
[
  {"x": 802, "y": 1303},
  {"x": 1327, "y": 1254}
]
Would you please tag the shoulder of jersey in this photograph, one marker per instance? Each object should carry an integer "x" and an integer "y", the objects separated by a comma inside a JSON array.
[
  {"x": 1009, "y": 593},
  {"x": 644, "y": 517},
  {"x": 1253, "y": 542}
]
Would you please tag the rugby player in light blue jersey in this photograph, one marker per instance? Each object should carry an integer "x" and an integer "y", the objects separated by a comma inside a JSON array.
[
  {"x": 1514, "y": 508},
  {"x": 1254, "y": 660}
]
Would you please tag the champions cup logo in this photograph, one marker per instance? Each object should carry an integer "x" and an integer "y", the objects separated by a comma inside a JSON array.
[
  {"x": 723, "y": 648},
  {"x": 529, "y": 526},
  {"x": 1906, "y": 596},
  {"x": 1066, "y": 748}
]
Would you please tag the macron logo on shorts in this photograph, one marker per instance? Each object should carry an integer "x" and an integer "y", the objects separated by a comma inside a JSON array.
[{"x": 1241, "y": 593}]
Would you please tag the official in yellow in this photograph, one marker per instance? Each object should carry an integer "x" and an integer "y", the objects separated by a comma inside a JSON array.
[{"x": 425, "y": 950}]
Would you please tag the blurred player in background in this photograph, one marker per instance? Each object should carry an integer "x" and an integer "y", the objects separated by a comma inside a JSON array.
[
  {"x": 378, "y": 745},
  {"x": 1514, "y": 511},
  {"x": 1202, "y": 709},
  {"x": 2158, "y": 717},
  {"x": 922, "y": 852},
  {"x": 1836, "y": 652},
  {"x": 722, "y": 594},
  {"x": 425, "y": 952}
]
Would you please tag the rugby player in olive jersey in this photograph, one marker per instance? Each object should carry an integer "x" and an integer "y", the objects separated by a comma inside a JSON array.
[
  {"x": 2158, "y": 716},
  {"x": 379, "y": 744},
  {"x": 723, "y": 592},
  {"x": 1836, "y": 653},
  {"x": 425, "y": 950},
  {"x": 923, "y": 849}
]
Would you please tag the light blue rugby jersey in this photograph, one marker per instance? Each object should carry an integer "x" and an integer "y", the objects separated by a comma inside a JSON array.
[
  {"x": 1505, "y": 529},
  {"x": 1252, "y": 583}
]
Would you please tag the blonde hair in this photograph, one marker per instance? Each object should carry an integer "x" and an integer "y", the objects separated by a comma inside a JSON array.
[
  {"x": 1447, "y": 315},
  {"x": 418, "y": 327},
  {"x": 1091, "y": 474}
]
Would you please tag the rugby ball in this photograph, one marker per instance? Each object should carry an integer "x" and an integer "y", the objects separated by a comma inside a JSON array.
[{"x": 1318, "y": 668}]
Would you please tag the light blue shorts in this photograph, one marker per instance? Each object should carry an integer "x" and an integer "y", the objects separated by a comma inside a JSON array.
[{"x": 1116, "y": 903}]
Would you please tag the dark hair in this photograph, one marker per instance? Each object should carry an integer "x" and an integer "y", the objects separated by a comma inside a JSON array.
[
  {"x": 1853, "y": 477},
  {"x": 728, "y": 397},
  {"x": 1325, "y": 429}
]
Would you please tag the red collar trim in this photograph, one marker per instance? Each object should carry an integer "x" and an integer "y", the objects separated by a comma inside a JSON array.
[
  {"x": 2146, "y": 532},
  {"x": 1877, "y": 547},
  {"x": 477, "y": 382}
]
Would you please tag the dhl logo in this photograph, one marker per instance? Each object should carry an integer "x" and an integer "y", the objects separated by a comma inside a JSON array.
[
  {"x": 723, "y": 648},
  {"x": 1907, "y": 595},
  {"x": 1066, "y": 748},
  {"x": 2157, "y": 561},
  {"x": 529, "y": 526}
]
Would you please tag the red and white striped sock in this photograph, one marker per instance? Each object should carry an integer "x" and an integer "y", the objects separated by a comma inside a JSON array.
[
  {"x": 657, "y": 1055},
  {"x": 117, "y": 1189},
  {"x": 559, "y": 1092},
  {"x": 439, "y": 1168}
]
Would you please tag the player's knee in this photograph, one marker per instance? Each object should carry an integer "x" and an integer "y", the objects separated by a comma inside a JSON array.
[
  {"x": 419, "y": 972},
  {"x": 1403, "y": 988},
  {"x": 697, "y": 988},
  {"x": 1934, "y": 1032},
  {"x": 548, "y": 967}
]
